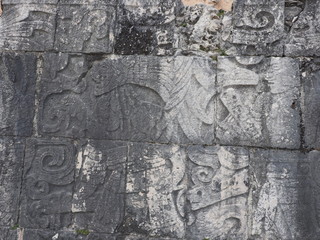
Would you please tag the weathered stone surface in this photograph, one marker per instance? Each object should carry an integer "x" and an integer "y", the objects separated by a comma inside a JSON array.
[
  {"x": 85, "y": 28},
  {"x": 218, "y": 192},
  {"x": 145, "y": 27},
  {"x": 27, "y": 27},
  {"x": 99, "y": 196},
  {"x": 258, "y": 26},
  {"x": 258, "y": 102},
  {"x": 89, "y": 2},
  {"x": 123, "y": 146},
  {"x": 11, "y": 162},
  {"x": 304, "y": 36},
  {"x": 54, "y": 235},
  {"x": 199, "y": 30},
  {"x": 61, "y": 108},
  {"x": 311, "y": 106},
  {"x": 17, "y": 81},
  {"x": 153, "y": 189},
  {"x": 12, "y": 2},
  {"x": 285, "y": 194},
  {"x": 129, "y": 98},
  {"x": 47, "y": 184},
  {"x": 309, "y": 212},
  {"x": 8, "y": 234}
]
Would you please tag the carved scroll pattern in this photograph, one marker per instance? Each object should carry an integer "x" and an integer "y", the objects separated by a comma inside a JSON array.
[
  {"x": 217, "y": 194},
  {"x": 48, "y": 184},
  {"x": 20, "y": 33}
]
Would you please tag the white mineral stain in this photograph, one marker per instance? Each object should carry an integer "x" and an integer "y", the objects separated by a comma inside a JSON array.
[
  {"x": 55, "y": 237},
  {"x": 92, "y": 161}
]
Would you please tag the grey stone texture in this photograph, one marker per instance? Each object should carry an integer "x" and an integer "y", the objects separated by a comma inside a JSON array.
[
  {"x": 27, "y": 27},
  {"x": 98, "y": 200},
  {"x": 311, "y": 113},
  {"x": 145, "y": 119},
  {"x": 85, "y": 28},
  {"x": 303, "y": 39},
  {"x": 252, "y": 91},
  {"x": 17, "y": 80},
  {"x": 11, "y": 163},
  {"x": 48, "y": 180},
  {"x": 145, "y": 27},
  {"x": 285, "y": 192},
  {"x": 258, "y": 26},
  {"x": 128, "y": 98}
]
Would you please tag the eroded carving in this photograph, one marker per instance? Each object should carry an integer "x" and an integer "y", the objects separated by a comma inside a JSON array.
[
  {"x": 256, "y": 22},
  {"x": 279, "y": 195},
  {"x": 154, "y": 181},
  {"x": 27, "y": 27},
  {"x": 134, "y": 98},
  {"x": 303, "y": 39},
  {"x": 311, "y": 113},
  {"x": 251, "y": 91},
  {"x": 85, "y": 28},
  {"x": 218, "y": 193},
  {"x": 98, "y": 200},
  {"x": 48, "y": 180}
]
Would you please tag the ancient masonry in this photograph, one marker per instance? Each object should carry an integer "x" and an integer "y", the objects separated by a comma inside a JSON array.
[{"x": 160, "y": 119}]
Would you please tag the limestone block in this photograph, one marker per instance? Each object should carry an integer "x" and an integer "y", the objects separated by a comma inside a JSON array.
[
  {"x": 47, "y": 184},
  {"x": 217, "y": 194},
  {"x": 99, "y": 196},
  {"x": 304, "y": 36},
  {"x": 258, "y": 102},
  {"x": 154, "y": 197},
  {"x": 27, "y": 27},
  {"x": 17, "y": 81},
  {"x": 85, "y": 28},
  {"x": 11, "y": 162},
  {"x": 311, "y": 106},
  {"x": 258, "y": 26},
  {"x": 285, "y": 194},
  {"x": 145, "y": 27},
  {"x": 129, "y": 98},
  {"x": 62, "y": 111}
]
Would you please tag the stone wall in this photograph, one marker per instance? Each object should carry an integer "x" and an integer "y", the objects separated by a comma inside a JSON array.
[{"x": 151, "y": 119}]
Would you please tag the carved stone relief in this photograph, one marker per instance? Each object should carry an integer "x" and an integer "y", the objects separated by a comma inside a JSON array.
[
  {"x": 27, "y": 27},
  {"x": 252, "y": 90},
  {"x": 218, "y": 192},
  {"x": 311, "y": 114},
  {"x": 85, "y": 28},
  {"x": 136, "y": 98},
  {"x": 148, "y": 119},
  {"x": 99, "y": 196},
  {"x": 154, "y": 189},
  {"x": 303, "y": 39},
  {"x": 48, "y": 182}
]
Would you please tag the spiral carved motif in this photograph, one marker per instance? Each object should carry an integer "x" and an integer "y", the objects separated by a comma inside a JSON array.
[{"x": 54, "y": 164}]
